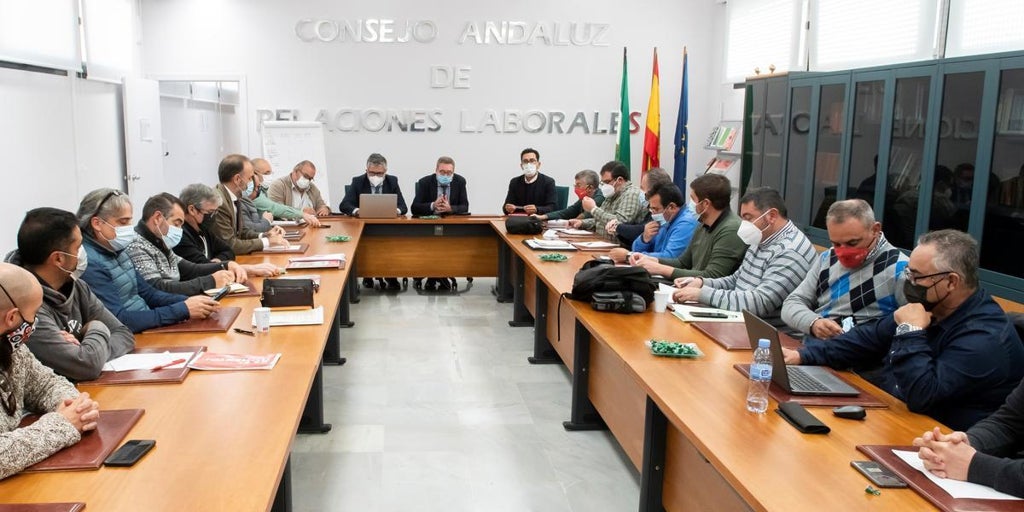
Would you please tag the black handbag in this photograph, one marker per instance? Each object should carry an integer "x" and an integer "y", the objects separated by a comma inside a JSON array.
[
  {"x": 283, "y": 293},
  {"x": 520, "y": 225}
]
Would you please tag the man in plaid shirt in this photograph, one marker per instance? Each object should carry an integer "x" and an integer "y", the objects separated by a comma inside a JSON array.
[{"x": 623, "y": 201}]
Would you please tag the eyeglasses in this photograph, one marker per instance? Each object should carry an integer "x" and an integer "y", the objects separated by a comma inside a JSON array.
[
  {"x": 530, "y": 161},
  {"x": 909, "y": 276},
  {"x": 25, "y": 329},
  {"x": 106, "y": 198}
]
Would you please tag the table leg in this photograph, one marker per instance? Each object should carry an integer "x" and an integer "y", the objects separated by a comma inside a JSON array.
[
  {"x": 520, "y": 315},
  {"x": 652, "y": 469},
  {"x": 582, "y": 415},
  {"x": 332, "y": 350},
  {"x": 312, "y": 421},
  {"x": 283, "y": 498},
  {"x": 353, "y": 282},
  {"x": 543, "y": 352},
  {"x": 503, "y": 288}
]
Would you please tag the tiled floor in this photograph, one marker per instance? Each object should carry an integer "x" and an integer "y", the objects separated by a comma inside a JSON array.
[{"x": 438, "y": 409}]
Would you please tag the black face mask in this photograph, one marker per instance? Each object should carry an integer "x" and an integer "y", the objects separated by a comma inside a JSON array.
[
  {"x": 917, "y": 293},
  {"x": 207, "y": 223}
]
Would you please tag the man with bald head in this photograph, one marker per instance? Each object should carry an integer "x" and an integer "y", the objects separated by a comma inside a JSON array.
[
  {"x": 27, "y": 387},
  {"x": 262, "y": 172}
]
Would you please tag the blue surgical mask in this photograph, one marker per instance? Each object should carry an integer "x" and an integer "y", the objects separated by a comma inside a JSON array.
[
  {"x": 659, "y": 218},
  {"x": 248, "y": 189},
  {"x": 173, "y": 236},
  {"x": 444, "y": 180},
  {"x": 123, "y": 235}
]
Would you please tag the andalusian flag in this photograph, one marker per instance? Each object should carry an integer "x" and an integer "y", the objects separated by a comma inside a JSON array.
[
  {"x": 652, "y": 134},
  {"x": 679, "y": 172},
  {"x": 622, "y": 146}
]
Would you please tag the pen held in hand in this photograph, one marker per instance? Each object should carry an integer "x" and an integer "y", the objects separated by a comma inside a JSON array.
[{"x": 163, "y": 366}]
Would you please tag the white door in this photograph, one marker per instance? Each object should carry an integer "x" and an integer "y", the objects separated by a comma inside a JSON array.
[{"x": 143, "y": 141}]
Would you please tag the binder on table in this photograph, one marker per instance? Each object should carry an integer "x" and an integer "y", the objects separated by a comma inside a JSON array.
[
  {"x": 164, "y": 376},
  {"x": 219, "y": 321},
  {"x": 95, "y": 446}
]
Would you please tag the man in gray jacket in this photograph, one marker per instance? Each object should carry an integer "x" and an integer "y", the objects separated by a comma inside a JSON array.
[{"x": 75, "y": 334}]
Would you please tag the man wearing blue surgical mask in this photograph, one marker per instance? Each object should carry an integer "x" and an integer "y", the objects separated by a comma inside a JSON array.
[
  {"x": 440, "y": 193},
  {"x": 669, "y": 231},
  {"x": 105, "y": 217},
  {"x": 160, "y": 230},
  {"x": 74, "y": 333}
]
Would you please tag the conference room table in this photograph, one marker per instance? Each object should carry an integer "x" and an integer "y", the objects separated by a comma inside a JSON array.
[
  {"x": 223, "y": 438},
  {"x": 683, "y": 423}
]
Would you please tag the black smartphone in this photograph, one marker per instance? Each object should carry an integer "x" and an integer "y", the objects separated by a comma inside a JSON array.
[
  {"x": 705, "y": 314},
  {"x": 222, "y": 292},
  {"x": 130, "y": 453},
  {"x": 878, "y": 474}
]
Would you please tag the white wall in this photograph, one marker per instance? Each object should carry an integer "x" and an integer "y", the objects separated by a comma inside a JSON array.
[
  {"x": 60, "y": 137},
  {"x": 257, "y": 41},
  {"x": 195, "y": 134}
]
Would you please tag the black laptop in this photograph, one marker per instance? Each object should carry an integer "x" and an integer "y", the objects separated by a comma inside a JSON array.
[{"x": 797, "y": 380}]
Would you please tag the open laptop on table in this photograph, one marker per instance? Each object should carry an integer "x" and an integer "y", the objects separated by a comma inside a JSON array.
[
  {"x": 378, "y": 206},
  {"x": 797, "y": 380}
]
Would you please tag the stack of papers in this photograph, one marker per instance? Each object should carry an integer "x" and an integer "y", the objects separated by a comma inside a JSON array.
[
  {"x": 339, "y": 256},
  {"x": 955, "y": 488},
  {"x": 313, "y": 316},
  {"x": 594, "y": 246},
  {"x": 210, "y": 361},
  {"x": 148, "y": 361},
  {"x": 288, "y": 223},
  {"x": 235, "y": 288},
  {"x": 549, "y": 245},
  {"x": 575, "y": 232},
  {"x": 289, "y": 247}
]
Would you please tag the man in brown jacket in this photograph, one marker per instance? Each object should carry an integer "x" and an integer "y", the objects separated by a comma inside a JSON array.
[
  {"x": 235, "y": 175},
  {"x": 298, "y": 190}
]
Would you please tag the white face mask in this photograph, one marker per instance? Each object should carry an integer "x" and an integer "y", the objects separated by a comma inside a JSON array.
[
  {"x": 607, "y": 190},
  {"x": 376, "y": 181},
  {"x": 302, "y": 183},
  {"x": 530, "y": 170},
  {"x": 83, "y": 262},
  {"x": 749, "y": 232}
]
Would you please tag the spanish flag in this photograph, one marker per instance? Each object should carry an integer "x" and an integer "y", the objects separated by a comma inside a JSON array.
[{"x": 652, "y": 134}]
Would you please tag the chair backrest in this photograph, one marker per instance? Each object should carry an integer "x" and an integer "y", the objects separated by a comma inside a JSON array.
[
  {"x": 347, "y": 188},
  {"x": 561, "y": 197}
]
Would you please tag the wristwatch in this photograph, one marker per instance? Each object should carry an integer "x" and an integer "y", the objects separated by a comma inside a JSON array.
[{"x": 906, "y": 328}]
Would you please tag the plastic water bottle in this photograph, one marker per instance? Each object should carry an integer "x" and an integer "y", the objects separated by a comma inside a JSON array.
[{"x": 760, "y": 378}]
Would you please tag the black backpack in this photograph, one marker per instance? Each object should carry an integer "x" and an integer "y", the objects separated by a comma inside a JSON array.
[
  {"x": 521, "y": 225},
  {"x": 598, "y": 278}
]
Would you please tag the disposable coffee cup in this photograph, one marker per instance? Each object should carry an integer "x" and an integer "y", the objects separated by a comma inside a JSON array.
[
  {"x": 661, "y": 300},
  {"x": 262, "y": 317}
]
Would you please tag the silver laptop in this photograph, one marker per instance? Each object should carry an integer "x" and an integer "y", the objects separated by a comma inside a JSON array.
[
  {"x": 378, "y": 206},
  {"x": 798, "y": 380}
]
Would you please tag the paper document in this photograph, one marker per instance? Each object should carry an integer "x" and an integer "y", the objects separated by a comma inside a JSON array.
[
  {"x": 595, "y": 245},
  {"x": 559, "y": 245},
  {"x": 575, "y": 232},
  {"x": 289, "y": 247},
  {"x": 288, "y": 223},
  {"x": 313, "y": 316},
  {"x": 955, "y": 488},
  {"x": 210, "y": 361},
  {"x": 685, "y": 312},
  {"x": 235, "y": 288},
  {"x": 340, "y": 256},
  {"x": 146, "y": 361}
]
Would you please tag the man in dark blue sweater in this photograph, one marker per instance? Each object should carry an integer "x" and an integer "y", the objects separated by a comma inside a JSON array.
[{"x": 949, "y": 353}]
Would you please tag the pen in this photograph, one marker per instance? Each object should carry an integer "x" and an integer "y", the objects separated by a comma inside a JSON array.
[
  {"x": 172, "y": 363},
  {"x": 243, "y": 331}
]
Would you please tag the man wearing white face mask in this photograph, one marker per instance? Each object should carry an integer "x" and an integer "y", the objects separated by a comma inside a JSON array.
[
  {"x": 74, "y": 333},
  {"x": 105, "y": 217},
  {"x": 298, "y": 190},
  {"x": 160, "y": 230},
  {"x": 623, "y": 201},
  {"x": 775, "y": 263},
  {"x": 533, "y": 192},
  {"x": 375, "y": 181}
]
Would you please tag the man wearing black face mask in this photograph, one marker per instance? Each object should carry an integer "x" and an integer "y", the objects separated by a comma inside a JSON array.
[
  {"x": 950, "y": 352},
  {"x": 26, "y": 386},
  {"x": 75, "y": 333}
]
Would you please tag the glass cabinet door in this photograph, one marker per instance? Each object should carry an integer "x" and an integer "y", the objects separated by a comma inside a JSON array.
[
  {"x": 827, "y": 154},
  {"x": 1004, "y": 213},
  {"x": 906, "y": 157},
  {"x": 774, "y": 129},
  {"x": 953, "y": 179},
  {"x": 868, "y": 103},
  {"x": 796, "y": 157}
]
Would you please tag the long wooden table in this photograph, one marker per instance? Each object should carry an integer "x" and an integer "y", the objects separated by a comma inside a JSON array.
[
  {"x": 223, "y": 438},
  {"x": 683, "y": 423}
]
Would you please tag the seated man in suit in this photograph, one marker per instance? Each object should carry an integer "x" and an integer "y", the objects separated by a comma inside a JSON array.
[
  {"x": 532, "y": 192},
  {"x": 622, "y": 201},
  {"x": 27, "y": 387},
  {"x": 75, "y": 334},
  {"x": 160, "y": 230},
  {"x": 261, "y": 168},
  {"x": 715, "y": 250},
  {"x": 627, "y": 233},
  {"x": 199, "y": 245},
  {"x": 587, "y": 184},
  {"x": 298, "y": 190},
  {"x": 950, "y": 353},
  {"x": 235, "y": 175},
  {"x": 105, "y": 218},
  {"x": 856, "y": 280},
  {"x": 375, "y": 181},
  {"x": 441, "y": 193}
]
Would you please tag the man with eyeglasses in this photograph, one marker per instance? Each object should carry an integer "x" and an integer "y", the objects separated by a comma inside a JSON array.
[
  {"x": 950, "y": 353},
  {"x": 376, "y": 180},
  {"x": 532, "y": 192},
  {"x": 587, "y": 184},
  {"x": 75, "y": 333},
  {"x": 854, "y": 281},
  {"x": 669, "y": 231},
  {"x": 622, "y": 201},
  {"x": 776, "y": 261},
  {"x": 105, "y": 217},
  {"x": 262, "y": 172},
  {"x": 26, "y": 386},
  {"x": 298, "y": 190},
  {"x": 235, "y": 176}
]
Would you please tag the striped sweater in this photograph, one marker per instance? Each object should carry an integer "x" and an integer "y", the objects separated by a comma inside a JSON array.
[
  {"x": 830, "y": 290},
  {"x": 769, "y": 273}
]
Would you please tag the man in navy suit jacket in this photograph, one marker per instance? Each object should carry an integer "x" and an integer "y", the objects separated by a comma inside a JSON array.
[
  {"x": 375, "y": 181},
  {"x": 441, "y": 193}
]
